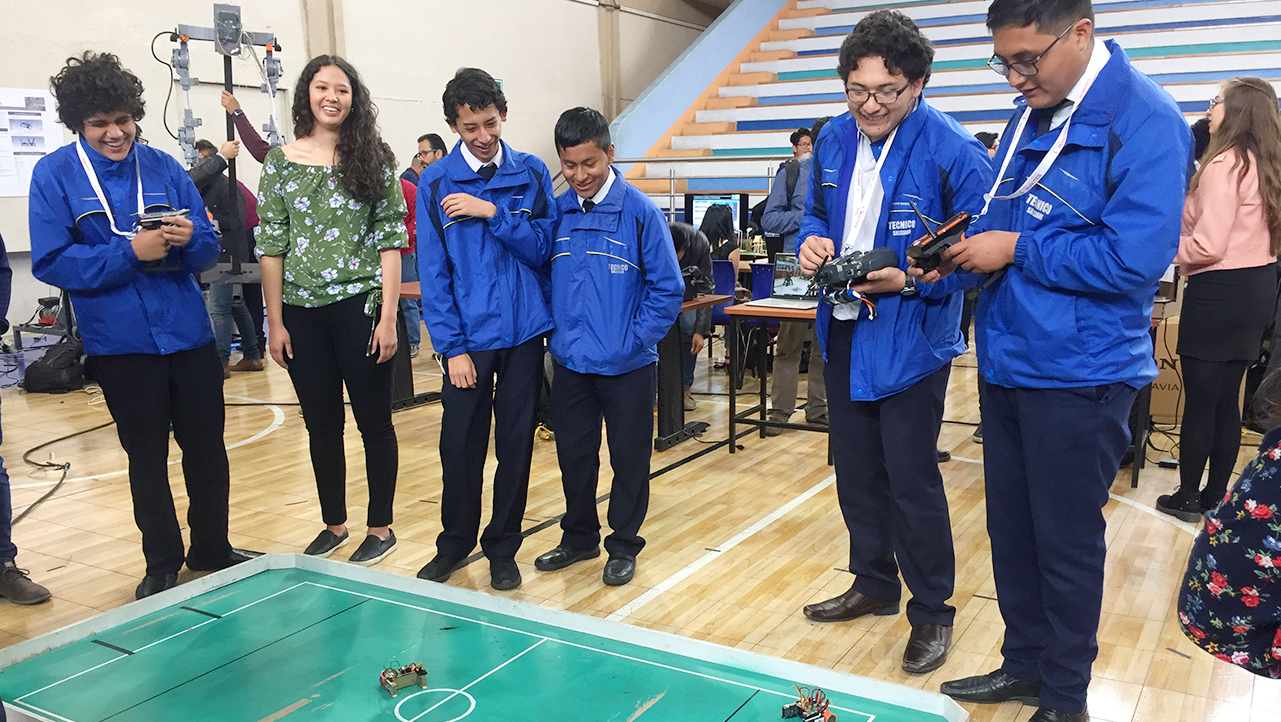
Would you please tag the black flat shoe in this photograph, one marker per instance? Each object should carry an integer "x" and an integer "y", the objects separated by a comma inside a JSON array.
[
  {"x": 155, "y": 585},
  {"x": 561, "y": 557},
  {"x": 372, "y": 549},
  {"x": 992, "y": 688},
  {"x": 439, "y": 568},
  {"x": 237, "y": 556},
  {"x": 504, "y": 574},
  {"x": 1045, "y": 714},
  {"x": 326, "y": 543},
  {"x": 619, "y": 571}
]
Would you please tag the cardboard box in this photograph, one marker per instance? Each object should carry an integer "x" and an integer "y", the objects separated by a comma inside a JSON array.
[{"x": 1167, "y": 390}]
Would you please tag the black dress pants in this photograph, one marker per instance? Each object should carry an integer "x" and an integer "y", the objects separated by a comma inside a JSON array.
[
  {"x": 507, "y": 382},
  {"x": 626, "y": 404},
  {"x": 890, "y": 488},
  {"x": 1049, "y": 457},
  {"x": 145, "y": 394},
  {"x": 331, "y": 348}
]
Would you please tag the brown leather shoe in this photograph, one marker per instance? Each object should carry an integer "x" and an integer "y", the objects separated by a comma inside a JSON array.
[
  {"x": 850, "y": 605},
  {"x": 927, "y": 648},
  {"x": 248, "y": 364}
]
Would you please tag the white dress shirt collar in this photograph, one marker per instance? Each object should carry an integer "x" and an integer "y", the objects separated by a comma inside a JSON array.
[
  {"x": 1098, "y": 58},
  {"x": 475, "y": 163},
  {"x": 600, "y": 194}
]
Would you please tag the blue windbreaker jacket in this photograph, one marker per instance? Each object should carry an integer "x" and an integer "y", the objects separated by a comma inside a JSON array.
[
  {"x": 943, "y": 169},
  {"x": 616, "y": 284},
  {"x": 1095, "y": 236},
  {"x": 121, "y": 308},
  {"x": 783, "y": 215},
  {"x": 480, "y": 279}
]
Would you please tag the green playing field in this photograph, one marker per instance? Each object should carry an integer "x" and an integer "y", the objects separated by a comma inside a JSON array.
[{"x": 292, "y": 638}]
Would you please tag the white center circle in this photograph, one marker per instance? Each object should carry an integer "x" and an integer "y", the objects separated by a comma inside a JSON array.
[{"x": 452, "y": 694}]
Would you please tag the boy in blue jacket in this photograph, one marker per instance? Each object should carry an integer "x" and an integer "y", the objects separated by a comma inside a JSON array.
[
  {"x": 485, "y": 221},
  {"x": 616, "y": 291},
  {"x": 140, "y": 311},
  {"x": 887, "y": 372},
  {"x": 1084, "y": 221}
]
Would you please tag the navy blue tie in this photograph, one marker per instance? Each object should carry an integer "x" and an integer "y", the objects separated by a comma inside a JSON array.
[{"x": 487, "y": 171}]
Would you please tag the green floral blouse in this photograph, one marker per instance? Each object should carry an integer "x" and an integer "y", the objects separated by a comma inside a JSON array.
[{"x": 329, "y": 240}]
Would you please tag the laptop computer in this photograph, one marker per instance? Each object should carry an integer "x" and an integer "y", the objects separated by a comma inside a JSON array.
[{"x": 790, "y": 285}]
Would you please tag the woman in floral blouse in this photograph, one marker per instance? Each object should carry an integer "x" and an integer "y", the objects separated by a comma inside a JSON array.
[
  {"x": 332, "y": 226},
  {"x": 1230, "y": 601}
]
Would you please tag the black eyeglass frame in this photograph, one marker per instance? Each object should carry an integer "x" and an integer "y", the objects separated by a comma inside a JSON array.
[
  {"x": 873, "y": 95},
  {"x": 1025, "y": 68}
]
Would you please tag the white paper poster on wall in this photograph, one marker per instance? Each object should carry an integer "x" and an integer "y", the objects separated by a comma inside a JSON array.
[{"x": 29, "y": 129}]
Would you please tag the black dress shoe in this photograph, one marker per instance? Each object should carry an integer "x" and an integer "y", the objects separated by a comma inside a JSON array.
[
  {"x": 439, "y": 568},
  {"x": 927, "y": 648},
  {"x": 848, "y": 606},
  {"x": 619, "y": 571},
  {"x": 236, "y": 556},
  {"x": 1045, "y": 714},
  {"x": 993, "y": 687},
  {"x": 943, "y": 455},
  {"x": 504, "y": 574},
  {"x": 561, "y": 557},
  {"x": 155, "y": 584}
]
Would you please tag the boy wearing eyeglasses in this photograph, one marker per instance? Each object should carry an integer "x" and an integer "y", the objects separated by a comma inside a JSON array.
[
  {"x": 888, "y": 354},
  {"x": 1081, "y": 227}
]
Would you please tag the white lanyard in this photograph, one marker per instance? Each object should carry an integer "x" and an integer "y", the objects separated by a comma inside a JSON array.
[
  {"x": 102, "y": 197},
  {"x": 864, "y": 198},
  {"x": 1051, "y": 156}
]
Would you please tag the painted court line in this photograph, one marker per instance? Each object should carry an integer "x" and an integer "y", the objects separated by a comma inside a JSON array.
[
  {"x": 478, "y": 679},
  {"x": 667, "y": 584},
  {"x": 44, "y": 712},
  {"x": 278, "y": 420},
  {"x": 166, "y": 639},
  {"x": 425, "y": 609},
  {"x": 619, "y": 655}
]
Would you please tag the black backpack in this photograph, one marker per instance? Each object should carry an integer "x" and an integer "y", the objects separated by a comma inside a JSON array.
[
  {"x": 793, "y": 169},
  {"x": 59, "y": 371}
]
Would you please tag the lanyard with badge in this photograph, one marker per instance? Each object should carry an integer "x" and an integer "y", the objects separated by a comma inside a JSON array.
[
  {"x": 1052, "y": 155},
  {"x": 863, "y": 198},
  {"x": 143, "y": 217},
  {"x": 861, "y": 206},
  {"x": 1041, "y": 169},
  {"x": 102, "y": 197}
]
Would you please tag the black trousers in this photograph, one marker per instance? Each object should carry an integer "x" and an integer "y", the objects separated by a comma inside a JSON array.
[
  {"x": 507, "y": 383},
  {"x": 1049, "y": 457},
  {"x": 146, "y": 393},
  {"x": 1211, "y": 425},
  {"x": 890, "y": 488},
  {"x": 331, "y": 348},
  {"x": 626, "y": 404}
]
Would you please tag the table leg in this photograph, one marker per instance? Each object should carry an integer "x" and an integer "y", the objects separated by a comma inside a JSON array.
[
  {"x": 733, "y": 387},
  {"x": 762, "y": 369}
]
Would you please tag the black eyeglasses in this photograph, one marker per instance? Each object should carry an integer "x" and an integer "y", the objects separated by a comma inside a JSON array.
[
  {"x": 1023, "y": 67},
  {"x": 882, "y": 97},
  {"x": 425, "y": 153}
]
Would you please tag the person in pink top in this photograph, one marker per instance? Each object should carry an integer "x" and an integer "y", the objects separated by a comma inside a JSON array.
[{"x": 1227, "y": 250}]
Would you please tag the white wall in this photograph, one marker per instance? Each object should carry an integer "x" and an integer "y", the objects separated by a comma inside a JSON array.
[
  {"x": 546, "y": 54},
  {"x": 647, "y": 47}
]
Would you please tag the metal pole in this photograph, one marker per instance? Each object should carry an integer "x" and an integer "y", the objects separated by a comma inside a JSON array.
[
  {"x": 233, "y": 190},
  {"x": 671, "y": 195}
]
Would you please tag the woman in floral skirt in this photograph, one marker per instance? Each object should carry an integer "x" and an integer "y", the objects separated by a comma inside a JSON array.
[{"x": 1230, "y": 601}]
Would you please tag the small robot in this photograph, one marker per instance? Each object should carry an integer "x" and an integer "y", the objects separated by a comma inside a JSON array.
[
  {"x": 396, "y": 678},
  {"x": 810, "y": 707}
]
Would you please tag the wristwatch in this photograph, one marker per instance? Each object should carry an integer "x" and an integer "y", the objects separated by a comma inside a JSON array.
[{"x": 909, "y": 286}]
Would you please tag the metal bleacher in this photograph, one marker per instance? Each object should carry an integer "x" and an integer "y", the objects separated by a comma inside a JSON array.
[{"x": 789, "y": 79}]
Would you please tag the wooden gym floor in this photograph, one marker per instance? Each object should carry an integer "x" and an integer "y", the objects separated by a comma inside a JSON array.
[{"x": 736, "y": 544}]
